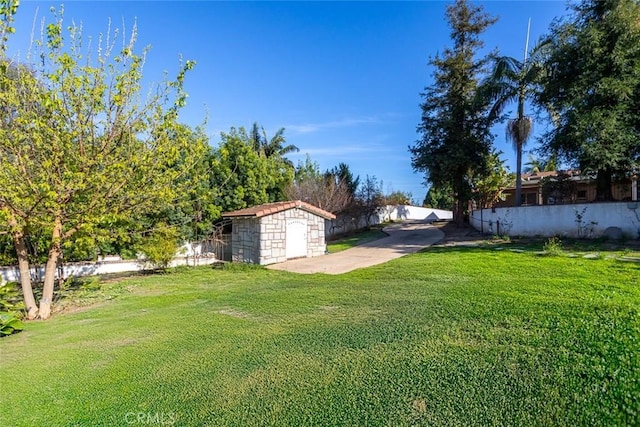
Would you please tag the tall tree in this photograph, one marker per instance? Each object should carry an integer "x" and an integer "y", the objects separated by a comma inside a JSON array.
[
  {"x": 243, "y": 176},
  {"x": 455, "y": 128},
  {"x": 516, "y": 81},
  {"x": 274, "y": 149},
  {"x": 343, "y": 173},
  {"x": 594, "y": 86},
  {"x": 276, "y": 146},
  {"x": 370, "y": 198},
  {"x": 79, "y": 143}
]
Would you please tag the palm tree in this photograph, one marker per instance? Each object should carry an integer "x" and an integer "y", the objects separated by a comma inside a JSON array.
[
  {"x": 535, "y": 165},
  {"x": 512, "y": 80},
  {"x": 271, "y": 147}
]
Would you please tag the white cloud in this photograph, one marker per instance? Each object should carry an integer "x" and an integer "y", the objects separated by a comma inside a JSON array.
[
  {"x": 333, "y": 124},
  {"x": 341, "y": 150}
]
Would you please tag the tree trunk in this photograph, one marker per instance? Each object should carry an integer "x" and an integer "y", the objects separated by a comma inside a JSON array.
[
  {"x": 519, "y": 175},
  {"x": 458, "y": 213},
  {"x": 23, "y": 266},
  {"x": 519, "y": 140},
  {"x": 603, "y": 186},
  {"x": 50, "y": 270}
]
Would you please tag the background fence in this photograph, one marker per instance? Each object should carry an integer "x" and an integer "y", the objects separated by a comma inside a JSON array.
[
  {"x": 218, "y": 247},
  {"x": 346, "y": 223},
  {"x": 584, "y": 220}
]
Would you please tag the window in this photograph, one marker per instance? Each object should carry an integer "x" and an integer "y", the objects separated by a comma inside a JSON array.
[{"x": 529, "y": 199}]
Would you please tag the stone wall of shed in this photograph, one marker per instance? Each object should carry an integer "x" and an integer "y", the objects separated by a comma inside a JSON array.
[
  {"x": 245, "y": 240},
  {"x": 273, "y": 235}
]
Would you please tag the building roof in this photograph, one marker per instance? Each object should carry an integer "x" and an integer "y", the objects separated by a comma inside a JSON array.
[
  {"x": 533, "y": 179},
  {"x": 272, "y": 208}
]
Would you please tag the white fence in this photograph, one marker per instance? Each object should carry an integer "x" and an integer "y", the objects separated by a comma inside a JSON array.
[
  {"x": 110, "y": 265},
  {"x": 584, "y": 220},
  {"x": 204, "y": 253},
  {"x": 402, "y": 212},
  {"x": 344, "y": 224}
]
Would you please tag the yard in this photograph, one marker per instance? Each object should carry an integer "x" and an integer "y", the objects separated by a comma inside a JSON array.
[
  {"x": 354, "y": 239},
  {"x": 448, "y": 336}
]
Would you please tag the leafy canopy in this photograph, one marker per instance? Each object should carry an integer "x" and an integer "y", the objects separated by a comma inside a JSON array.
[{"x": 455, "y": 129}]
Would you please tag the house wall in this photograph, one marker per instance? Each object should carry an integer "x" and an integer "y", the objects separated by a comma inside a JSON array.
[
  {"x": 273, "y": 235},
  {"x": 245, "y": 240},
  {"x": 585, "y": 192},
  {"x": 560, "y": 220}
]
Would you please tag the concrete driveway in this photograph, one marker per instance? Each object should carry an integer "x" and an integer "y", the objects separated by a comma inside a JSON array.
[{"x": 404, "y": 238}]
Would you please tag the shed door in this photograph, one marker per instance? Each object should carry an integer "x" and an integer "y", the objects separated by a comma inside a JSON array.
[{"x": 296, "y": 238}]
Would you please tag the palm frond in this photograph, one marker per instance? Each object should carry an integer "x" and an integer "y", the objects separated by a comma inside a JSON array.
[
  {"x": 518, "y": 131},
  {"x": 498, "y": 95},
  {"x": 288, "y": 149},
  {"x": 506, "y": 67}
]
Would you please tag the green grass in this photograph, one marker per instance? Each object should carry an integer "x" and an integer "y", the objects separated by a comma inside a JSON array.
[
  {"x": 356, "y": 239},
  {"x": 450, "y": 336}
]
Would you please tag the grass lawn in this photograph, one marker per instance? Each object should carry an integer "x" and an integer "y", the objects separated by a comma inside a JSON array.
[
  {"x": 355, "y": 239},
  {"x": 449, "y": 336}
]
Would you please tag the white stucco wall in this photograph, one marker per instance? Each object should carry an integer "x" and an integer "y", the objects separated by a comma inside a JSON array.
[
  {"x": 79, "y": 269},
  {"x": 388, "y": 213},
  {"x": 402, "y": 212},
  {"x": 560, "y": 220}
]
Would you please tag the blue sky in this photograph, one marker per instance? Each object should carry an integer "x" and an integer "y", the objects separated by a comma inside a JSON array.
[{"x": 343, "y": 78}]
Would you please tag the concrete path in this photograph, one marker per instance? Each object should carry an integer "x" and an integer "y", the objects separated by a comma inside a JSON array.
[{"x": 404, "y": 238}]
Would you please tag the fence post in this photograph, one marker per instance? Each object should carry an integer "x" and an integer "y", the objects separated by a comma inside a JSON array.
[{"x": 497, "y": 227}]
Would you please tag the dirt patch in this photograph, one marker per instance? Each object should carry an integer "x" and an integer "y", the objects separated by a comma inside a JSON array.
[
  {"x": 235, "y": 313},
  {"x": 76, "y": 306},
  {"x": 454, "y": 235}
]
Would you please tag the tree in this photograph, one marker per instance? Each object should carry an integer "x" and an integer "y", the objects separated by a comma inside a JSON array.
[
  {"x": 439, "y": 198},
  {"x": 195, "y": 212},
  {"x": 370, "y": 198},
  {"x": 398, "y": 198},
  {"x": 243, "y": 176},
  {"x": 593, "y": 86},
  {"x": 535, "y": 165},
  {"x": 273, "y": 148},
  {"x": 326, "y": 191},
  {"x": 455, "y": 128},
  {"x": 515, "y": 81},
  {"x": 488, "y": 188},
  {"x": 343, "y": 173},
  {"x": 79, "y": 143}
]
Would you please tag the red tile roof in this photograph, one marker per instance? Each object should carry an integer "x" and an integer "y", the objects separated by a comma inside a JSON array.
[{"x": 272, "y": 208}]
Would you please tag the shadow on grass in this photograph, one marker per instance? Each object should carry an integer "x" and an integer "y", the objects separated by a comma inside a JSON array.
[{"x": 537, "y": 246}]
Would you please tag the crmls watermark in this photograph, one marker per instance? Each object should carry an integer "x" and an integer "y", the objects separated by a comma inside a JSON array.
[{"x": 153, "y": 418}]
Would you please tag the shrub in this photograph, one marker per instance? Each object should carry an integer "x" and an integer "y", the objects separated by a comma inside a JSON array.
[
  {"x": 10, "y": 298},
  {"x": 553, "y": 246},
  {"x": 9, "y": 324},
  {"x": 160, "y": 247}
]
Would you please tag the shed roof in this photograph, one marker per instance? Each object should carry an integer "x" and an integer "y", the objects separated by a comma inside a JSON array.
[{"x": 272, "y": 208}]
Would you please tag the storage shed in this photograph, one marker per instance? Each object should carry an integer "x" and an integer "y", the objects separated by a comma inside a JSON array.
[{"x": 276, "y": 232}]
